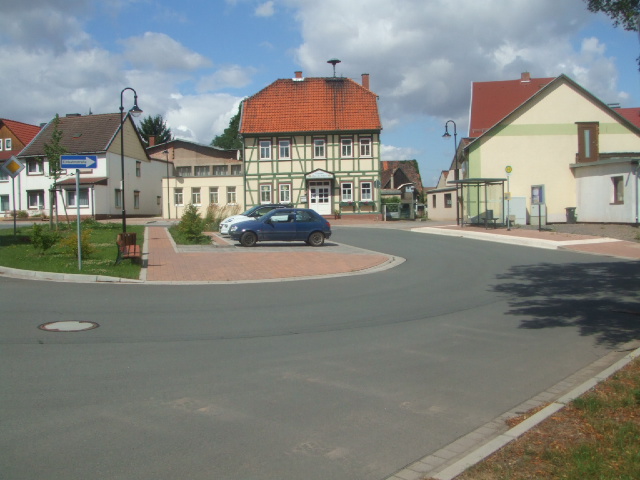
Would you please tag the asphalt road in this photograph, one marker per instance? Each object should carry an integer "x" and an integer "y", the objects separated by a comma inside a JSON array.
[{"x": 338, "y": 378}]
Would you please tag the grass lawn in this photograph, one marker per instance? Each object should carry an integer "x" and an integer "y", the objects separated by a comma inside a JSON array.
[
  {"x": 18, "y": 251},
  {"x": 597, "y": 436}
]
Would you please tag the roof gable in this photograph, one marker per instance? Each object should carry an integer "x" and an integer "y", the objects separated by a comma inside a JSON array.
[
  {"x": 310, "y": 105},
  {"x": 81, "y": 134},
  {"x": 554, "y": 84},
  {"x": 23, "y": 131},
  {"x": 493, "y": 101},
  {"x": 402, "y": 172}
]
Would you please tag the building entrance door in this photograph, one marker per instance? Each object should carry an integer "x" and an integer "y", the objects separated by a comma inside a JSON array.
[{"x": 320, "y": 197}]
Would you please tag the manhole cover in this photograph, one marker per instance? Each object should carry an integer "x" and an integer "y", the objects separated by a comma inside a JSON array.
[{"x": 70, "y": 326}]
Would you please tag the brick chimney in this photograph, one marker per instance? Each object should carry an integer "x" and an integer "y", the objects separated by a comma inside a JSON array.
[
  {"x": 298, "y": 77},
  {"x": 525, "y": 77},
  {"x": 365, "y": 80},
  {"x": 152, "y": 140}
]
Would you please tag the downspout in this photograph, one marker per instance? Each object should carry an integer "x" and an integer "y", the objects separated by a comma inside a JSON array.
[{"x": 637, "y": 164}]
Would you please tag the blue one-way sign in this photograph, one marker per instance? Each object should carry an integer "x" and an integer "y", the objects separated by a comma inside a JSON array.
[{"x": 78, "y": 161}]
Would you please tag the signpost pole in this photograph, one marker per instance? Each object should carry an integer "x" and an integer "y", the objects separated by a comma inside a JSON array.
[
  {"x": 15, "y": 213},
  {"x": 78, "y": 216}
]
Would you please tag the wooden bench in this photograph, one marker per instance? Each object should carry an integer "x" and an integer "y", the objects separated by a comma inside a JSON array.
[{"x": 128, "y": 247}]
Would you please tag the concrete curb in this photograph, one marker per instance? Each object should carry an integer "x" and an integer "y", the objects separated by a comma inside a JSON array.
[
  {"x": 436, "y": 465},
  {"x": 512, "y": 240}
]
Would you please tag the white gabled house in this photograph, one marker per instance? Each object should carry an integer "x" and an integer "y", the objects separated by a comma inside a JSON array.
[{"x": 100, "y": 193}]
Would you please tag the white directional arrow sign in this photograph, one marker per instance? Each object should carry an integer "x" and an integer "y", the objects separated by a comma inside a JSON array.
[{"x": 78, "y": 161}]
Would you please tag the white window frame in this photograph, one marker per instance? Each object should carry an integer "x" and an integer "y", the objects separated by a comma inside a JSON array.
[
  {"x": 118, "y": 197},
  {"x": 33, "y": 162},
  {"x": 346, "y": 192},
  {"x": 265, "y": 149},
  {"x": 8, "y": 144},
  {"x": 39, "y": 196},
  {"x": 1, "y": 144},
  {"x": 178, "y": 196},
  {"x": 196, "y": 196},
  {"x": 136, "y": 199},
  {"x": 5, "y": 204},
  {"x": 284, "y": 149},
  {"x": 84, "y": 197},
  {"x": 232, "y": 198},
  {"x": 284, "y": 193},
  {"x": 201, "y": 171},
  {"x": 138, "y": 168},
  {"x": 365, "y": 147},
  {"x": 346, "y": 148},
  {"x": 617, "y": 184},
  {"x": 214, "y": 197},
  {"x": 319, "y": 148},
  {"x": 265, "y": 193},
  {"x": 366, "y": 191}
]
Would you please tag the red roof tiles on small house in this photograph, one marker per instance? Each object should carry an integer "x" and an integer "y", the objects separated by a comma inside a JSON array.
[
  {"x": 493, "y": 101},
  {"x": 311, "y": 105},
  {"x": 23, "y": 132},
  {"x": 631, "y": 114}
]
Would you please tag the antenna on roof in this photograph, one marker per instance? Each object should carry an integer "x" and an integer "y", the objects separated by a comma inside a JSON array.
[{"x": 334, "y": 62}]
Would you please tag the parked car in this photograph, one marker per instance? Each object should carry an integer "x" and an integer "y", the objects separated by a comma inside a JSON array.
[
  {"x": 252, "y": 213},
  {"x": 284, "y": 225}
]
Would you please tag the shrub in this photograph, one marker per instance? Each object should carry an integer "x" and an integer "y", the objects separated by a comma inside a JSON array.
[
  {"x": 69, "y": 244},
  {"x": 42, "y": 238},
  {"x": 191, "y": 225}
]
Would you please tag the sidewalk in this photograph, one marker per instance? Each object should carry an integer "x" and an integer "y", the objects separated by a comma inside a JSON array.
[
  {"x": 542, "y": 239},
  {"x": 224, "y": 262}
]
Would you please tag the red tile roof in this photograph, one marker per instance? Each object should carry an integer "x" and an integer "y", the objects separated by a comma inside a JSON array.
[
  {"x": 402, "y": 171},
  {"x": 23, "y": 132},
  {"x": 311, "y": 105},
  {"x": 631, "y": 114},
  {"x": 493, "y": 101}
]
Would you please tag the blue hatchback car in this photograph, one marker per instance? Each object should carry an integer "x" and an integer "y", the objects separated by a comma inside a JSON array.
[{"x": 283, "y": 225}]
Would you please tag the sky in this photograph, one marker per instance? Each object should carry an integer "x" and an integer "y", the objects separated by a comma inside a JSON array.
[{"x": 193, "y": 61}]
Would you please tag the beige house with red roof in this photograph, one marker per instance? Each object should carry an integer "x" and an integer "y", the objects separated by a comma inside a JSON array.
[
  {"x": 569, "y": 154},
  {"x": 197, "y": 174},
  {"x": 100, "y": 194},
  {"x": 14, "y": 136},
  {"x": 315, "y": 143}
]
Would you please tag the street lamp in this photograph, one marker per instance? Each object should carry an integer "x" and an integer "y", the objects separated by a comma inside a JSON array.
[
  {"x": 456, "y": 172},
  {"x": 455, "y": 142},
  {"x": 134, "y": 111},
  {"x": 166, "y": 152}
]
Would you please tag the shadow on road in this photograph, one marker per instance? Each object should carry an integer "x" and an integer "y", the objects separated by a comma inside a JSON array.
[{"x": 601, "y": 299}]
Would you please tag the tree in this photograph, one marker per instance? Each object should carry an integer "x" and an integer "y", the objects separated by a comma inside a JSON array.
[
  {"x": 625, "y": 12},
  {"x": 155, "y": 126},
  {"x": 230, "y": 139},
  {"x": 53, "y": 150}
]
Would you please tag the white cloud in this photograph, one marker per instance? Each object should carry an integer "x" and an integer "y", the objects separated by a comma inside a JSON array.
[
  {"x": 233, "y": 76},
  {"x": 423, "y": 56},
  {"x": 265, "y": 10},
  {"x": 389, "y": 152},
  {"x": 161, "y": 52}
]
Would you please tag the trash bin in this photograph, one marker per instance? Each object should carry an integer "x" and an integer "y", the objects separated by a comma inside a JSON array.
[{"x": 571, "y": 215}]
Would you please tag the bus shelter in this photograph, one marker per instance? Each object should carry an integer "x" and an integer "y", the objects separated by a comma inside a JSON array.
[{"x": 480, "y": 201}]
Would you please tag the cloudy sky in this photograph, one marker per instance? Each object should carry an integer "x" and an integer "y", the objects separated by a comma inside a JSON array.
[{"x": 193, "y": 61}]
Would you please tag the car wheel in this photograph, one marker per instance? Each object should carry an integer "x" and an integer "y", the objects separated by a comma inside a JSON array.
[
  {"x": 316, "y": 239},
  {"x": 248, "y": 239}
]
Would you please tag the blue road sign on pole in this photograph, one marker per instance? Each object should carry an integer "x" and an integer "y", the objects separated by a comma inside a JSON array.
[{"x": 78, "y": 161}]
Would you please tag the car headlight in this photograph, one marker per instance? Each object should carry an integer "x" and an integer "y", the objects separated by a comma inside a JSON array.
[{"x": 233, "y": 228}]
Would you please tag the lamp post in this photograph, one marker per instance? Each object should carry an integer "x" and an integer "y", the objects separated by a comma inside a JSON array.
[
  {"x": 166, "y": 152},
  {"x": 134, "y": 111},
  {"x": 456, "y": 172}
]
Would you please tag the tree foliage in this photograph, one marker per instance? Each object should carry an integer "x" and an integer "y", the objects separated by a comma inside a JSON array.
[
  {"x": 622, "y": 12},
  {"x": 230, "y": 138},
  {"x": 54, "y": 149},
  {"x": 155, "y": 126}
]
